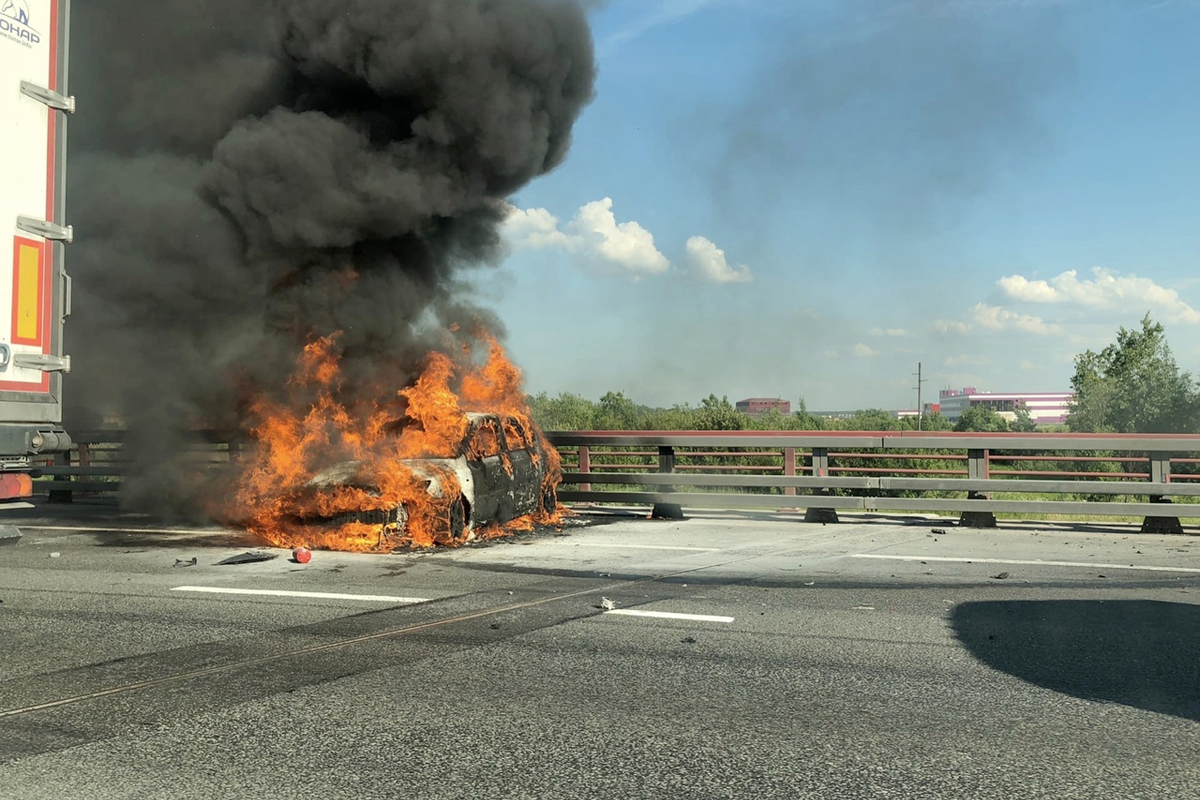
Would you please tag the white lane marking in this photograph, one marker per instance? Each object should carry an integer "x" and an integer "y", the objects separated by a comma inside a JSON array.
[
  {"x": 1031, "y": 563},
  {"x": 640, "y": 546},
  {"x": 366, "y": 598},
  {"x": 94, "y": 529},
  {"x": 633, "y": 612}
]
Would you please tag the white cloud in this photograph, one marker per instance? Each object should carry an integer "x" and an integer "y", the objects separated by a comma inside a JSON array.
[
  {"x": 997, "y": 318},
  {"x": 862, "y": 351},
  {"x": 897, "y": 332},
  {"x": 958, "y": 361},
  {"x": 951, "y": 326},
  {"x": 1105, "y": 290},
  {"x": 708, "y": 263},
  {"x": 626, "y": 244},
  {"x": 1030, "y": 366},
  {"x": 534, "y": 227},
  {"x": 594, "y": 234},
  {"x": 831, "y": 353}
]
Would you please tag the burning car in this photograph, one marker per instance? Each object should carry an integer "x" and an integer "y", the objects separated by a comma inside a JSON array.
[{"x": 501, "y": 473}]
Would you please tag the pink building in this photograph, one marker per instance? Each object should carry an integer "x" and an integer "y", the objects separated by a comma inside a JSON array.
[{"x": 1045, "y": 408}]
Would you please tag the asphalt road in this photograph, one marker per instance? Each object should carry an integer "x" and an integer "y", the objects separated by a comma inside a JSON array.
[{"x": 867, "y": 659}]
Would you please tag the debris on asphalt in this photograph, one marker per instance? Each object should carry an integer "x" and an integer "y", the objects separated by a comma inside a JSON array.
[
  {"x": 811, "y": 583},
  {"x": 1000, "y": 576},
  {"x": 688, "y": 640},
  {"x": 55, "y": 555},
  {"x": 249, "y": 557},
  {"x": 606, "y": 604},
  {"x": 864, "y": 608},
  {"x": 179, "y": 562},
  {"x": 495, "y": 626},
  {"x": 667, "y": 511},
  {"x": 1101, "y": 576},
  {"x": 301, "y": 555},
  {"x": 937, "y": 530}
]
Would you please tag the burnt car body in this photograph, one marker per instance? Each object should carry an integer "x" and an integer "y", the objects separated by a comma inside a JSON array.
[{"x": 500, "y": 474}]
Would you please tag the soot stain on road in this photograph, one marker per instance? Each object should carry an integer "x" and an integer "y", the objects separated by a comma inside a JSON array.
[{"x": 1140, "y": 653}]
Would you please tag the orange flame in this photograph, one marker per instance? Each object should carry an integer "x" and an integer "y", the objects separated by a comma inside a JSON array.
[{"x": 283, "y": 499}]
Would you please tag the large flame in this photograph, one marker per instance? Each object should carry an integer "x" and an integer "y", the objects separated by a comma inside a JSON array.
[{"x": 318, "y": 426}]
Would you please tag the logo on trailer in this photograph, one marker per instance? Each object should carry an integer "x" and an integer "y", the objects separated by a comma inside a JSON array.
[{"x": 14, "y": 23}]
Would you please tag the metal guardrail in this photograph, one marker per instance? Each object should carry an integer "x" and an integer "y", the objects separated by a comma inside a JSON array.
[
  {"x": 820, "y": 471},
  {"x": 823, "y": 462}
]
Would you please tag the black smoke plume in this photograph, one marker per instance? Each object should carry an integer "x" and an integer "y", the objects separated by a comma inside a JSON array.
[{"x": 247, "y": 174}]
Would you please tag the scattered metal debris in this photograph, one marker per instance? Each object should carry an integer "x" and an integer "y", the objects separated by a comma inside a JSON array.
[
  {"x": 688, "y": 640},
  {"x": 179, "y": 562},
  {"x": 864, "y": 608},
  {"x": 249, "y": 557},
  {"x": 937, "y": 530},
  {"x": 606, "y": 604},
  {"x": 55, "y": 555},
  {"x": 1000, "y": 576}
]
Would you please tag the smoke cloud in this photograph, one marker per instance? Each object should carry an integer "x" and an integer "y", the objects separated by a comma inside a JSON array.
[{"x": 247, "y": 174}]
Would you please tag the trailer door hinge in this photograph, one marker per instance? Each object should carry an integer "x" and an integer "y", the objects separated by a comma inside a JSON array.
[
  {"x": 48, "y": 96},
  {"x": 45, "y": 363},
  {"x": 47, "y": 230}
]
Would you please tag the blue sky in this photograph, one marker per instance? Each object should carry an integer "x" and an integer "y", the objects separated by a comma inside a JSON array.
[{"x": 808, "y": 198}]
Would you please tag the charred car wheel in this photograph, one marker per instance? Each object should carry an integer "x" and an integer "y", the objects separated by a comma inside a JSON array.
[
  {"x": 458, "y": 519},
  {"x": 549, "y": 501}
]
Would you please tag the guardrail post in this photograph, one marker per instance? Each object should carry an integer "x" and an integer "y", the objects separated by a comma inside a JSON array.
[
  {"x": 61, "y": 495},
  {"x": 585, "y": 465},
  {"x": 820, "y": 469},
  {"x": 789, "y": 468},
  {"x": 666, "y": 463},
  {"x": 977, "y": 469},
  {"x": 1160, "y": 473},
  {"x": 666, "y": 466}
]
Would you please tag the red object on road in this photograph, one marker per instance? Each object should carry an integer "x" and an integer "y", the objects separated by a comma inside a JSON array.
[{"x": 302, "y": 555}]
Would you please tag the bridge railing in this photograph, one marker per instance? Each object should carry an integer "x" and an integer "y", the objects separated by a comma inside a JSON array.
[
  {"x": 1155, "y": 476},
  {"x": 1149, "y": 475}
]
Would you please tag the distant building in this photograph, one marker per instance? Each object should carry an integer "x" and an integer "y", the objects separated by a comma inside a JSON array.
[
  {"x": 755, "y": 406},
  {"x": 833, "y": 414},
  {"x": 1045, "y": 408}
]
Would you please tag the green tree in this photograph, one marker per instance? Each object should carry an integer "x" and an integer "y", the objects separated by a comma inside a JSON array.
[
  {"x": 718, "y": 415},
  {"x": 617, "y": 412},
  {"x": 981, "y": 419},
  {"x": 1133, "y": 386},
  {"x": 1024, "y": 421},
  {"x": 936, "y": 422},
  {"x": 870, "y": 419},
  {"x": 567, "y": 412},
  {"x": 806, "y": 421}
]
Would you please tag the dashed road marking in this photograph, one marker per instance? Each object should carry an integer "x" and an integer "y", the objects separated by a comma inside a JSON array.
[
  {"x": 635, "y": 612},
  {"x": 1031, "y": 562},
  {"x": 366, "y": 598}
]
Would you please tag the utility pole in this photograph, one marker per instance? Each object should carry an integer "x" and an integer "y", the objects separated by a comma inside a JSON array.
[{"x": 920, "y": 408}]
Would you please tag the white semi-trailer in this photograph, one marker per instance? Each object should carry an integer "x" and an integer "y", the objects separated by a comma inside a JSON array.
[{"x": 35, "y": 291}]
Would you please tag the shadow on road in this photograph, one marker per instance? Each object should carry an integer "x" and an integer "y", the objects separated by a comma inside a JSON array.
[{"x": 1140, "y": 653}]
